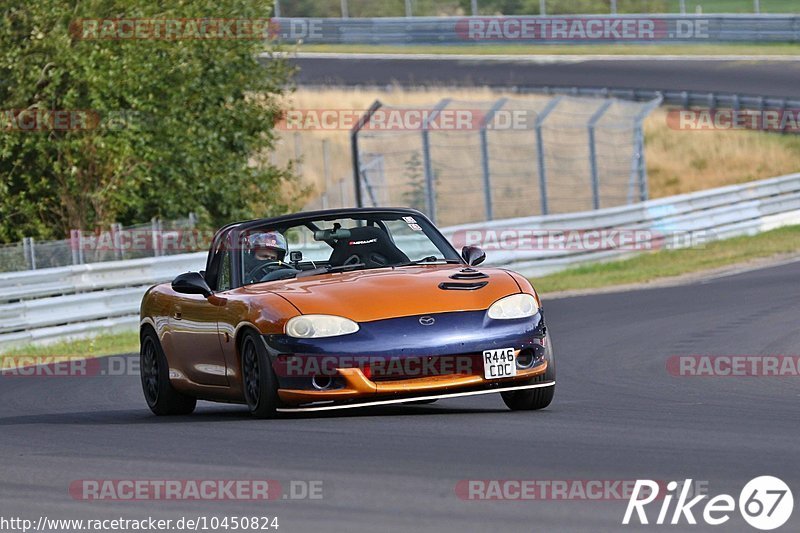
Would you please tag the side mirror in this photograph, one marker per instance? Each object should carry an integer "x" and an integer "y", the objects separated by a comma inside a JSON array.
[
  {"x": 191, "y": 283},
  {"x": 473, "y": 255}
]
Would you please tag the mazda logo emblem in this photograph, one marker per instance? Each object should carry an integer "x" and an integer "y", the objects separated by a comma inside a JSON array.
[{"x": 427, "y": 320}]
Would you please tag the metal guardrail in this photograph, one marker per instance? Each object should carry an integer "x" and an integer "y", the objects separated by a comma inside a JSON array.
[
  {"x": 684, "y": 99},
  {"x": 45, "y": 305},
  {"x": 565, "y": 29}
]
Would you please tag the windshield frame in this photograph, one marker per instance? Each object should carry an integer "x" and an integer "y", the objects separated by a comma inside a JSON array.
[{"x": 307, "y": 219}]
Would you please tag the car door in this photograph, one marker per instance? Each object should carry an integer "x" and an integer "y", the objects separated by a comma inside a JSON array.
[{"x": 193, "y": 323}]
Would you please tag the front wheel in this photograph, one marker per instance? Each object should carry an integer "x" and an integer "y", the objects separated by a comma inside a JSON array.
[
  {"x": 161, "y": 398},
  {"x": 534, "y": 399},
  {"x": 258, "y": 379}
]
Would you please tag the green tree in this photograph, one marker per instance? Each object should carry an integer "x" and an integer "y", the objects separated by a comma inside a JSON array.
[{"x": 182, "y": 124}]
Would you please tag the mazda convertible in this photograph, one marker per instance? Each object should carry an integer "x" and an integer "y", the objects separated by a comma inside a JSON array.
[{"x": 342, "y": 309}]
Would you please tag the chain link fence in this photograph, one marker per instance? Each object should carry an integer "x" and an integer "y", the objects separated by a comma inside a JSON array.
[
  {"x": 154, "y": 239},
  {"x": 505, "y": 158}
]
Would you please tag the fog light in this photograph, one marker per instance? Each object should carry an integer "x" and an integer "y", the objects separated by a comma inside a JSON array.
[
  {"x": 322, "y": 382},
  {"x": 525, "y": 359}
]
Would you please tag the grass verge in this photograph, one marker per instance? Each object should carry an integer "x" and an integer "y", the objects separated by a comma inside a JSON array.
[
  {"x": 669, "y": 263},
  {"x": 103, "y": 344},
  {"x": 594, "y": 49}
]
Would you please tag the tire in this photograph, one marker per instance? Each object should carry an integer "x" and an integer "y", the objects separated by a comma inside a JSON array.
[
  {"x": 259, "y": 383},
  {"x": 535, "y": 399},
  {"x": 161, "y": 398},
  {"x": 421, "y": 402}
]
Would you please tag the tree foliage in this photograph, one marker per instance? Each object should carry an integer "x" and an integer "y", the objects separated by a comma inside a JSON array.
[{"x": 183, "y": 125}]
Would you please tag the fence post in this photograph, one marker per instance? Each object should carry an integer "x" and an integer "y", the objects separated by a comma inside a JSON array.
[
  {"x": 540, "y": 151},
  {"x": 430, "y": 185},
  {"x": 354, "y": 150},
  {"x": 155, "y": 236},
  {"x": 116, "y": 239},
  {"x": 643, "y": 189},
  {"x": 638, "y": 169},
  {"x": 326, "y": 171},
  {"x": 75, "y": 244},
  {"x": 29, "y": 250},
  {"x": 487, "y": 178},
  {"x": 593, "y": 153}
]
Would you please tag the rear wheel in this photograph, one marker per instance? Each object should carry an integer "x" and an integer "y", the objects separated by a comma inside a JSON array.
[
  {"x": 158, "y": 392},
  {"x": 533, "y": 399},
  {"x": 258, "y": 379}
]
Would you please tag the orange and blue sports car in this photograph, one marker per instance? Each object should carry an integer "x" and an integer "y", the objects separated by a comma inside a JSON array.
[{"x": 338, "y": 309}]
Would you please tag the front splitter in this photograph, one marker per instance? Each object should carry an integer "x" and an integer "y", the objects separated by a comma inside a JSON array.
[{"x": 413, "y": 399}]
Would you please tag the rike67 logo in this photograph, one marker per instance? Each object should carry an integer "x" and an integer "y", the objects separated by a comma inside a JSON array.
[{"x": 765, "y": 503}]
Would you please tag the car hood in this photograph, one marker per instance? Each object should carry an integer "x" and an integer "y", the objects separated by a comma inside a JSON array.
[{"x": 366, "y": 295}]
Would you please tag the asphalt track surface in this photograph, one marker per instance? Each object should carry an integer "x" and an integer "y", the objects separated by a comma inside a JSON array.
[
  {"x": 618, "y": 415},
  {"x": 780, "y": 79}
]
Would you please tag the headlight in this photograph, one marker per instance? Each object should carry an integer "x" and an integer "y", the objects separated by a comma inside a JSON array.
[
  {"x": 514, "y": 306},
  {"x": 315, "y": 326}
]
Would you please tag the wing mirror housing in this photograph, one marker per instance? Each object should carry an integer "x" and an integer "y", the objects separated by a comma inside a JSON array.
[
  {"x": 473, "y": 255},
  {"x": 191, "y": 283}
]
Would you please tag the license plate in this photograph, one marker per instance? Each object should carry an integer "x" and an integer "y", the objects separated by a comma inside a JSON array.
[{"x": 499, "y": 363}]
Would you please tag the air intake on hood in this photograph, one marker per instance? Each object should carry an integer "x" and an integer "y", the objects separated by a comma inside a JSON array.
[
  {"x": 469, "y": 273},
  {"x": 453, "y": 286}
]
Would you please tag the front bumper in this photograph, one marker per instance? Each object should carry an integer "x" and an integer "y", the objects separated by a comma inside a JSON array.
[{"x": 350, "y": 360}]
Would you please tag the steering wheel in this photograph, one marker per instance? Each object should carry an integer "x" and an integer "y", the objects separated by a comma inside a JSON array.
[{"x": 263, "y": 266}]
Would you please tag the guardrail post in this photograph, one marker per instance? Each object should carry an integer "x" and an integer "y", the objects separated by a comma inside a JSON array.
[
  {"x": 345, "y": 11},
  {"x": 430, "y": 185},
  {"x": 540, "y": 151},
  {"x": 354, "y": 150},
  {"x": 408, "y": 9},
  {"x": 593, "y": 153},
  {"x": 682, "y": 5},
  {"x": 756, "y": 7},
  {"x": 474, "y": 8},
  {"x": 543, "y": 7},
  {"x": 613, "y": 7},
  {"x": 487, "y": 178},
  {"x": 277, "y": 12}
]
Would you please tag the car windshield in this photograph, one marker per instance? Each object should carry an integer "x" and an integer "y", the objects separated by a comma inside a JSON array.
[{"x": 306, "y": 247}]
